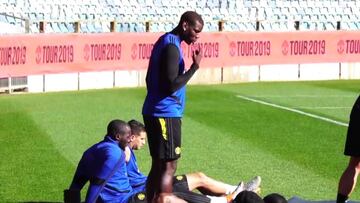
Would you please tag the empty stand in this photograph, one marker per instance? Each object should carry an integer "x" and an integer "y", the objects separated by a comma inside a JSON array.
[{"x": 131, "y": 15}]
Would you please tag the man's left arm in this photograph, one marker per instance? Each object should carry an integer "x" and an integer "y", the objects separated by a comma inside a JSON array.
[
  {"x": 96, "y": 182},
  {"x": 169, "y": 69}
]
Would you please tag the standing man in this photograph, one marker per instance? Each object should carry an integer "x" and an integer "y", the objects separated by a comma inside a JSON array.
[
  {"x": 165, "y": 101},
  {"x": 352, "y": 148}
]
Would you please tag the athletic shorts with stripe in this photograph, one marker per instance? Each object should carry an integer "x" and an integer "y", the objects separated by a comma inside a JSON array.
[
  {"x": 164, "y": 137},
  {"x": 352, "y": 145}
]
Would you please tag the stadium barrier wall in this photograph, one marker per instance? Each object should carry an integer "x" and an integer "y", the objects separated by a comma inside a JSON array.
[{"x": 88, "y": 61}]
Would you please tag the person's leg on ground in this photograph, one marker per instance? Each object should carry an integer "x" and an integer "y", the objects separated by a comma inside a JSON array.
[
  {"x": 207, "y": 185},
  {"x": 210, "y": 186}
]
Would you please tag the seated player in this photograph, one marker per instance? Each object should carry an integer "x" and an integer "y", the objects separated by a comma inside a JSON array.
[{"x": 104, "y": 166}]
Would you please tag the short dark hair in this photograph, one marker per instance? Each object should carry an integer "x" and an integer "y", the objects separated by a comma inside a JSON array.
[
  {"x": 274, "y": 198},
  {"x": 117, "y": 127},
  {"x": 248, "y": 197},
  {"x": 136, "y": 127},
  {"x": 191, "y": 17}
]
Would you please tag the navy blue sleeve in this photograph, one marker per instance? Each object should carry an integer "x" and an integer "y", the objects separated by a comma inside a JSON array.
[
  {"x": 80, "y": 178},
  {"x": 169, "y": 70},
  {"x": 111, "y": 158}
]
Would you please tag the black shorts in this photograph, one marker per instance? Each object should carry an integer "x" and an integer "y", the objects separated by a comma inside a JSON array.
[
  {"x": 352, "y": 145},
  {"x": 192, "y": 197},
  {"x": 164, "y": 137},
  {"x": 188, "y": 196},
  {"x": 180, "y": 183},
  {"x": 139, "y": 197}
]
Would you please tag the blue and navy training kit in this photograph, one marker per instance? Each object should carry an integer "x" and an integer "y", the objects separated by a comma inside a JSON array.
[
  {"x": 166, "y": 79},
  {"x": 97, "y": 165}
]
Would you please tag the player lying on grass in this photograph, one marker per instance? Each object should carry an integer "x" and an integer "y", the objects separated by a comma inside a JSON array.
[{"x": 188, "y": 182}]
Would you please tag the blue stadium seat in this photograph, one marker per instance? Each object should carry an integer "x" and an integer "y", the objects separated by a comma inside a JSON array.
[
  {"x": 91, "y": 27},
  {"x": 154, "y": 27},
  {"x": 70, "y": 27},
  {"x": 2, "y": 18},
  {"x": 55, "y": 27},
  {"x": 330, "y": 26},
  {"x": 40, "y": 16},
  {"x": 272, "y": 3},
  {"x": 34, "y": 28},
  {"x": 11, "y": 20},
  {"x": 98, "y": 27},
  {"x": 63, "y": 27},
  {"x": 304, "y": 25},
  {"x": 160, "y": 10},
  {"x": 84, "y": 28},
  {"x": 352, "y": 26},
  {"x": 266, "y": 26}
]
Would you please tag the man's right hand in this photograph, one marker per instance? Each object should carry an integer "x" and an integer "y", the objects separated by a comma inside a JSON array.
[{"x": 197, "y": 56}]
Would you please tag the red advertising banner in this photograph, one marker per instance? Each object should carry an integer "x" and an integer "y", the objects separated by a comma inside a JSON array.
[{"x": 22, "y": 55}]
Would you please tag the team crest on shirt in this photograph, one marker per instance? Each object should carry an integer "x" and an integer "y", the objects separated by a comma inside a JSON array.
[
  {"x": 177, "y": 150},
  {"x": 141, "y": 196},
  {"x": 179, "y": 178}
]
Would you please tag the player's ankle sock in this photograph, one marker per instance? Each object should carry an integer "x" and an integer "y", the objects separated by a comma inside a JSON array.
[
  {"x": 230, "y": 189},
  {"x": 341, "y": 198},
  {"x": 217, "y": 199}
]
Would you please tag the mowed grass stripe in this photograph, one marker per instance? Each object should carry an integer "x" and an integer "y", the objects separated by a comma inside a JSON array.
[
  {"x": 31, "y": 169},
  {"x": 315, "y": 146},
  {"x": 231, "y": 158},
  {"x": 56, "y": 128},
  {"x": 293, "y": 110},
  {"x": 222, "y": 136},
  {"x": 345, "y": 92}
]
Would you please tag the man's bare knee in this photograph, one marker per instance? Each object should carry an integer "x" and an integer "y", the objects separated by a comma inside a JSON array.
[
  {"x": 201, "y": 177},
  {"x": 357, "y": 167},
  {"x": 355, "y": 163}
]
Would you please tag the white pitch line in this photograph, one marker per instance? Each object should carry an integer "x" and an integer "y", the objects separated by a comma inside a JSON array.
[
  {"x": 294, "y": 110},
  {"x": 303, "y": 96},
  {"x": 322, "y": 107}
]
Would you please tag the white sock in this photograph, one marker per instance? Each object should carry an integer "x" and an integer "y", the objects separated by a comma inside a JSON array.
[
  {"x": 214, "y": 199},
  {"x": 230, "y": 189}
]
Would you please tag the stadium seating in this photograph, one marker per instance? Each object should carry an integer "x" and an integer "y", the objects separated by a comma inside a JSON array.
[{"x": 131, "y": 15}]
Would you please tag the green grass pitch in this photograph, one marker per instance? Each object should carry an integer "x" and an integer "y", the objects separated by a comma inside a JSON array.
[{"x": 42, "y": 136}]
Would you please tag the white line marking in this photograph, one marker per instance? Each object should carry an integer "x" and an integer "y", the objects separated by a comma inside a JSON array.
[
  {"x": 322, "y": 107},
  {"x": 303, "y": 95},
  {"x": 294, "y": 110}
]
